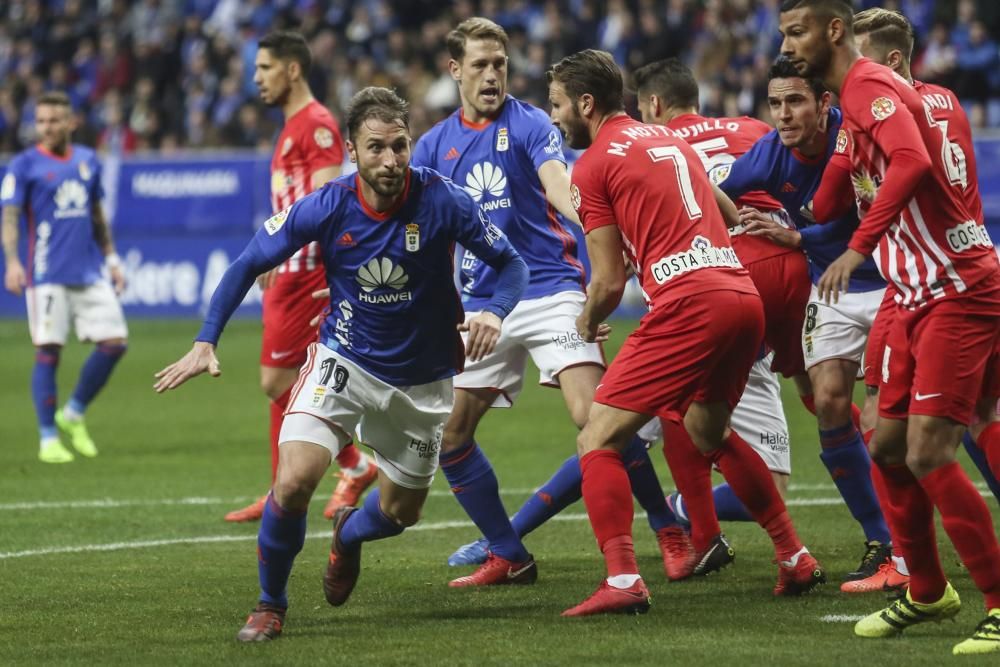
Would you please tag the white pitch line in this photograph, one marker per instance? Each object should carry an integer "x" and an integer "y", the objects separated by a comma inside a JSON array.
[{"x": 841, "y": 618}]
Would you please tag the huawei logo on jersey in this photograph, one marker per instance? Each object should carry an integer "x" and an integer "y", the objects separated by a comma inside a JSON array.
[
  {"x": 381, "y": 273},
  {"x": 484, "y": 178},
  {"x": 71, "y": 199}
]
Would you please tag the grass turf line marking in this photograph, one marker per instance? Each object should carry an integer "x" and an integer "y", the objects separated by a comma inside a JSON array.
[{"x": 841, "y": 618}]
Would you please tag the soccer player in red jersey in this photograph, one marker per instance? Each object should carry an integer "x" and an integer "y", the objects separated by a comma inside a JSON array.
[
  {"x": 691, "y": 355},
  {"x": 309, "y": 153},
  {"x": 910, "y": 187}
]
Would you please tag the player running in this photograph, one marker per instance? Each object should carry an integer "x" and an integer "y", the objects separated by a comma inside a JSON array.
[
  {"x": 691, "y": 355},
  {"x": 308, "y": 153},
  {"x": 509, "y": 157},
  {"x": 71, "y": 256},
  {"x": 788, "y": 164},
  {"x": 910, "y": 188},
  {"x": 388, "y": 349}
]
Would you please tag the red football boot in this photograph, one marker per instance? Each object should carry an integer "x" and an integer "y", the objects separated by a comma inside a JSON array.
[
  {"x": 610, "y": 600},
  {"x": 497, "y": 571}
]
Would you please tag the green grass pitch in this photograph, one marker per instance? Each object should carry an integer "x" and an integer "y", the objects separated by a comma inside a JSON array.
[{"x": 125, "y": 559}]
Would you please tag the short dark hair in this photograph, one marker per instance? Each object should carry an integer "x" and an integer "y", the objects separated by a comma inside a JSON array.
[
  {"x": 594, "y": 72},
  {"x": 288, "y": 45},
  {"x": 670, "y": 80},
  {"x": 55, "y": 98},
  {"x": 378, "y": 103},
  {"x": 886, "y": 30},
  {"x": 782, "y": 68},
  {"x": 828, "y": 9},
  {"x": 476, "y": 27}
]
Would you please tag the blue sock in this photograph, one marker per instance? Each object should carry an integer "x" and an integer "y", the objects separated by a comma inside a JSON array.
[
  {"x": 474, "y": 484},
  {"x": 43, "y": 389},
  {"x": 561, "y": 491},
  {"x": 646, "y": 486},
  {"x": 979, "y": 459},
  {"x": 282, "y": 533},
  {"x": 727, "y": 506},
  {"x": 94, "y": 374},
  {"x": 844, "y": 454},
  {"x": 368, "y": 524}
]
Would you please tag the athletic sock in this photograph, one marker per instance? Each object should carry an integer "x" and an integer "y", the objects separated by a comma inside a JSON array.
[
  {"x": 608, "y": 498},
  {"x": 967, "y": 521},
  {"x": 282, "y": 533},
  {"x": 351, "y": 461},
  {"x": 989, "y": 444},
  {"x": 278, "y": 407},
  {"x": 475, "y": 486},
  {"x": 94, "y": 375},
  {"x": 727, "y": 506},
  {"x": 911, "y": 515},
  {"x": 367, "y": 524},
  {"x": 558, "y": 493},
  {"x": 692, "y": 473},
  {"x": 980, "y": 458},
  {"x": 646, "y": 486},
  {"x": 846, "y": 458},
  {"x": 43, "y": 389},
  {"x": 809, "y": 400},
  {"x": 882, "y": 493},
  {"x": 752, "y": 483}
]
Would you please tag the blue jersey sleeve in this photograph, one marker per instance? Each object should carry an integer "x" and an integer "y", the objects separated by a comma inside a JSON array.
[
  {"x": 421, "y": 156},
  {"x": 543, "y": 142},
  {"x": 96, "y": 186},
  {"x": 751, "y": 171},
  {"x": 475, "y": 232},
  {"x": 14, "y": 188},
  {"x": 279, "y": 238}
]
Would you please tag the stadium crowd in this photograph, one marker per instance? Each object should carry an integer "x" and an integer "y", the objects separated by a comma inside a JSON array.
[{"x": 172, "y": 74}]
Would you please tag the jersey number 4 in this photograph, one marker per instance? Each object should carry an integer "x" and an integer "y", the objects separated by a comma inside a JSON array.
[{"x": 674, "y": 154}]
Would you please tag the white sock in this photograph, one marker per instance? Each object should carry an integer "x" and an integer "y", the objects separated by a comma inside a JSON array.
[
  {"x": 360, "y": 469},
  {"x": 71, "y": 414},
  {"x": 623, "y": 580},
  {"x": 901, "y": 565}
]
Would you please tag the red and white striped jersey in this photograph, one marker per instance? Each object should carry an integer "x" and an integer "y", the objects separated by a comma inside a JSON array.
[
  {"x": 310, "y": 141},
  {"x": 925, "y": 239}
]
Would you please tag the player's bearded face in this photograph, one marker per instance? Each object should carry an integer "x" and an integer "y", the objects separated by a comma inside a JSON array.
[
  {"x": 53, "y": 125},
  {"x": 567, "y": 118},
  {"x": 270, "y": 75},
  {"x": 382, "y": 152},
  {"x": 482, "y": 76},
  {"x": 806, "y": 43}
]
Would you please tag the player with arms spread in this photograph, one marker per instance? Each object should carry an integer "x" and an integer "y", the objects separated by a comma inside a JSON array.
[
  {"x": 308, "y": 153},
  {"x": 509, "y": 157},
  {"x": 388, "y": 349},
  {"x": 944, "y": 271},
  {"x": 691, "y": 355},
  {"x": 57, "y": 185}
]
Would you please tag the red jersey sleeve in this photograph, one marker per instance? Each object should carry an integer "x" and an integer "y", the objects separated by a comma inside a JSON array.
[
  {"x": 590, "y": 196},
  {"x": 877, "y": 109},
  {"x": 322, "y": 145}
]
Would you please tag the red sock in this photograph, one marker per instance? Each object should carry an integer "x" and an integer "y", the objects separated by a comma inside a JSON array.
[
  {"x": 809, "y": 400},
  {"x": 967, "y": 521},
  {"x": 910, "y": 514},
  {"x": 882, "y": 493},
  {"x": 277, "y": 415},
  {"x": 349, "y": 456},
  {"x": 692, "y": 473},
  {"x": 608, "y": 497},
  {"x": 752, "y": 483},
  {"x": 989, "y": 442}
]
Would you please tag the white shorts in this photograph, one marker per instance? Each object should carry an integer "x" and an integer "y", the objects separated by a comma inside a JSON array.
[
  {"x": 335, "y": 398},
  {"x": 759, "y": 418},
  {"x": 545, "y": 329},
  {"x": 839, "y": 330},
  {"x": 93, "y": 309}
]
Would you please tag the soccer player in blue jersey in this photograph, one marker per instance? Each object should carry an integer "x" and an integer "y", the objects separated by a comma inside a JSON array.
[
  {"x": 789, "y": 163},
  {"x": 388, "y": 349},
  {"x": 71, "y": 255},
  {"x": 509, "y": 157}
]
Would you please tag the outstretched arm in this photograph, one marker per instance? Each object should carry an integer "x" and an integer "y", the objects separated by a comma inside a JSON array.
[{"x": 555, "y": 181}]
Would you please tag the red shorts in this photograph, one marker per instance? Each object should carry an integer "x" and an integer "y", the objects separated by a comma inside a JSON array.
[
  {"x": 288, "y": 308},
  {"x": 784, "y": 287},
  {"x": 875, "y": 348},
  {"x": 698, "y": 348},
  {"x": 937, "y": 357}
]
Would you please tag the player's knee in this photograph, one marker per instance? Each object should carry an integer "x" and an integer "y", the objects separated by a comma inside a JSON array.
[
  {"x": 293, "y": 491},
  {"x": 833, "y": 405},
  {"x": 403, "y": 515},
  {"x": 273, "y": 387},
  {"x": 454, "y": 436}
]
